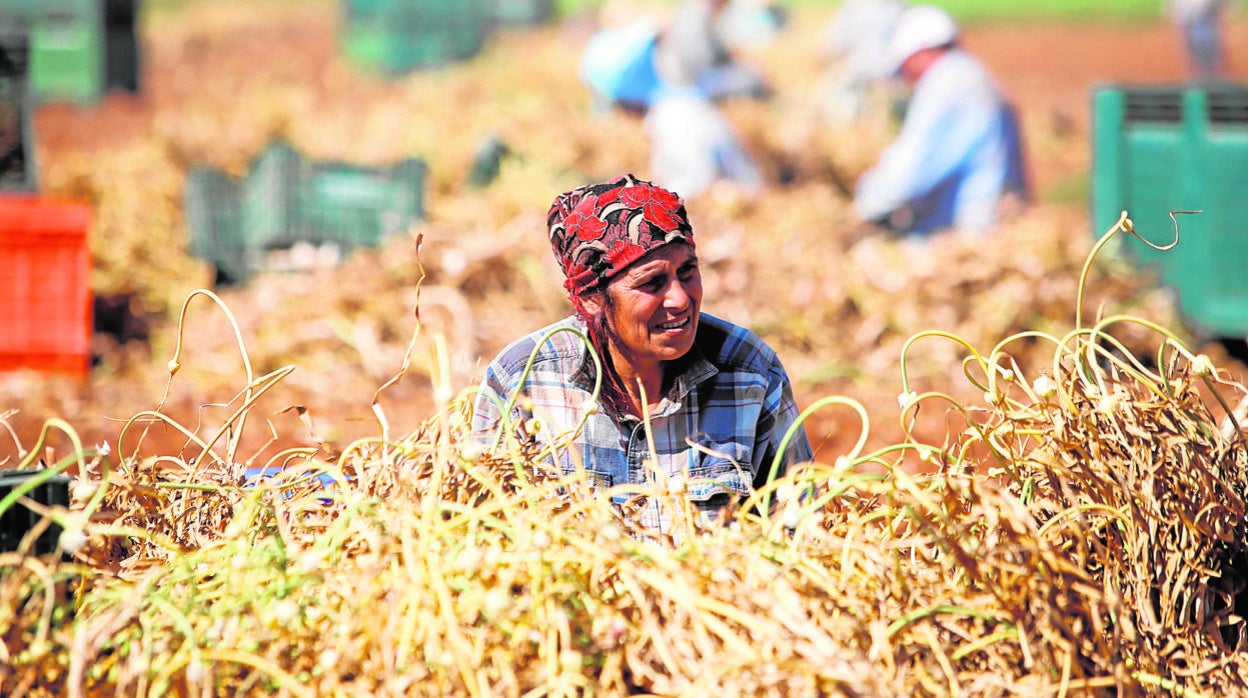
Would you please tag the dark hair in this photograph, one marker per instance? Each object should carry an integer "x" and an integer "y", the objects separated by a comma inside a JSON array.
[{"x": 614, "y": 396}]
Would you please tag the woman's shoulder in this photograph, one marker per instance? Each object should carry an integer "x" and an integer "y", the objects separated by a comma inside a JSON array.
[
  {"x": 729, "y": 345},
  {"x": 564, "y": 340}
]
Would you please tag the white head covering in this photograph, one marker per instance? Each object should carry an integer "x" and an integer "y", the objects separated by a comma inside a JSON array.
[{"x": 919, "y": 27}]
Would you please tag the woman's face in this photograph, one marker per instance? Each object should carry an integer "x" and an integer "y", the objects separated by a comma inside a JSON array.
[{"x": 654, "y": 304}]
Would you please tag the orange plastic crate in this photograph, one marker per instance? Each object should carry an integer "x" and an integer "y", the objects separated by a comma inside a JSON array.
[{"x": 45, "y": 291}]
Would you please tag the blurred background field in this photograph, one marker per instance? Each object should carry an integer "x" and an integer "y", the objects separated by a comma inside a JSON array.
[
  {"x": 1078, "y": 528},
  {"x": 968, "y": 10},
  {"x": 221, "y": 80}
]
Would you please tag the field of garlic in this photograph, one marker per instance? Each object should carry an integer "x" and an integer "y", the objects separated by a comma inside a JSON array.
[{"x": 1027, "y": 481}]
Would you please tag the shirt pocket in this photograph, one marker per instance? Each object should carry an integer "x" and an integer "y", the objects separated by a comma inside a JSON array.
[
  {"x": 597, "y": 480},
  {"x": 720, "y": 469}
]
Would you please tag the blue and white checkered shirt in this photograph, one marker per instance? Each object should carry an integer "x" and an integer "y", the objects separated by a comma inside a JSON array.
[{"x": 716, "y": 431}]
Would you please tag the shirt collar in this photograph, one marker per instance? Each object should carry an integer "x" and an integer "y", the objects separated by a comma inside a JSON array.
[{"x": 691, "y": 369}]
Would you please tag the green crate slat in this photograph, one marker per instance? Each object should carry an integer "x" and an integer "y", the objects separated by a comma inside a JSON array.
[
  {"x": 214, "y": 218},
  {"x": 269, "y": 199},
  {"x": 1159, "y": 149},
  {"x": 523, "y": 12},
  {"x": 359, "y": 9},
  {"x": 25, "y": 8}
]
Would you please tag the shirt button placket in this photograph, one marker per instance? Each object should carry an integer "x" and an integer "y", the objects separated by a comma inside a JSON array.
[{"x": 638, "y": 450}]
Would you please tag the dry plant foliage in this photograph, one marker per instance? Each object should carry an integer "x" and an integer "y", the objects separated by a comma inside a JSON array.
[
  {"x": 1061, "y": 514},
  {"x": 1082, "y": 532}
]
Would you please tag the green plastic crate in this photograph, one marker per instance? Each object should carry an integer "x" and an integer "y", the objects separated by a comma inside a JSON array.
[
  {"x": 359, "y": 206},
  {"x": 1158, "y": 149},
  {"x": 19, "y": 520},
  {"x": 397, "y": 36},
  {"x": 287, "y": 199},
  {"x": 67, "y": 47},
  {"x": 67, "y": 50}
]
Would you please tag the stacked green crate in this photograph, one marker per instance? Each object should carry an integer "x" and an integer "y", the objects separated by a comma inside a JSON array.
[
  {"x": 286, "y": 199},
  {"x": 66, "y": 47},
  {"x": 67, "y": 56},
  {"x": 396, "y": 36},
  {"x": 79, "y": 49},
  {"x": 1158, "y": 150}
]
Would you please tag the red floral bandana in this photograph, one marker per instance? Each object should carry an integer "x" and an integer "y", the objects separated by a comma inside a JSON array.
[{"x": 599, "y": 229}]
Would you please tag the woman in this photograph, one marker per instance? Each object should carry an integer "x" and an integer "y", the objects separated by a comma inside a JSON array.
[{"x": 718, "y": 402}]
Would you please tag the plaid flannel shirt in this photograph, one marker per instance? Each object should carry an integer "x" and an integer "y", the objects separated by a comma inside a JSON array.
[{"x": 731, "y": 397}]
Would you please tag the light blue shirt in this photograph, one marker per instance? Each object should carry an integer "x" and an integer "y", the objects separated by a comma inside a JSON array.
[{"x": 957, "y": 154}]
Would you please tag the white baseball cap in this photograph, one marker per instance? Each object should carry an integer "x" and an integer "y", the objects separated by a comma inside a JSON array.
[{"x": 919, "y": 27}]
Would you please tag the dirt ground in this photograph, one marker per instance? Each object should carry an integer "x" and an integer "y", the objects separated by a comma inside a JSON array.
[{"x": 1049, "y": 69}]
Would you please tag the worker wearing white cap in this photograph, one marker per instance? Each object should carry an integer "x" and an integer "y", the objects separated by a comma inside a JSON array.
[{"x": 958, "y": 153}]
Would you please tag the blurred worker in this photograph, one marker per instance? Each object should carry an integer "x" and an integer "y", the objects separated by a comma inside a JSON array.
[
  {"x": 855, "y": 42},
  {"x": 685, "y": 397},
  {"x": 958, "y": 153},
  {"x": 632, "y": 54},
  {"x": 642, "y": 69},
  {"x": 1198, "y": 22},
  {"x": 692, "y": 145},
  {"x": 693, "y": 51},
  {"x": 672, "y": 72},
  {"x": 618, "y": 65}
]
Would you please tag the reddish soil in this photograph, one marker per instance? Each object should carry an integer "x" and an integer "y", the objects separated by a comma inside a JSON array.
[{"x": 1051, "y": 70}]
